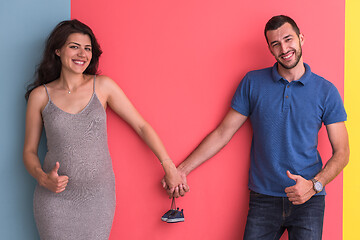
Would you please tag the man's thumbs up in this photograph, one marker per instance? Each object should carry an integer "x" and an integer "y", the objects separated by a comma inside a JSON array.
[
  {"x": 292, "y": 176},
  {"x": 301, "y": 191}
]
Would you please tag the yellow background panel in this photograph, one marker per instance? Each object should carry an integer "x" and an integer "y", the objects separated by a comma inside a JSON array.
[{"x": 352, "y": 102}]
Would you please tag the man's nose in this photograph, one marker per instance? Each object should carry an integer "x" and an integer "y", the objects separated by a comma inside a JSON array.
[{"x": 283, "y": 48}]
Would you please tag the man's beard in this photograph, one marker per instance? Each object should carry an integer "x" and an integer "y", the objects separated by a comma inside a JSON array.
[{"x": 298, "y": 57}]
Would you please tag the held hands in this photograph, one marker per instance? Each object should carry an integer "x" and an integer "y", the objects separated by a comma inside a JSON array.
[
  {"x": 301, "y": 191},
  {"x": 54, "y": 182},
  {"x": 179, "y": 190},
  {"x": 174, "y": 182}
]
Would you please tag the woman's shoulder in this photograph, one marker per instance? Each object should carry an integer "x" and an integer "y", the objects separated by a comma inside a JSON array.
[
  {"x": 104, "y": 82},
  {"x": 103, "y": 79},
  {"x": 38, "y": 97},
  {"x": 38, "y": 93}
]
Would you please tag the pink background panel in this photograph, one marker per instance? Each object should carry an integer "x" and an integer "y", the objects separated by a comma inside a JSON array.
[{"x": 180, "y": 62}]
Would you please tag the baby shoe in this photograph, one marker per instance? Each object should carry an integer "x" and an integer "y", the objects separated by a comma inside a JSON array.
[
  {"x": 167, "y": 214},
  {"x": 176, "y": 216}
]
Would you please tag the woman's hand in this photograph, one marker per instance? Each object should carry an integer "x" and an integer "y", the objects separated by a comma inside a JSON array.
[
  {"x": 53, "y": 182},
  {"x": 173, "y": 182}
]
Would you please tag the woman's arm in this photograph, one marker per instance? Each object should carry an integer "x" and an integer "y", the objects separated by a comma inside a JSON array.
[
  {"x": 33, "y": 129},
  {"x": 121, "y": 105}
]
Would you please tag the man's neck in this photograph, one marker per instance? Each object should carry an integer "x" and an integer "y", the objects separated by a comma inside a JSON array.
[{"x": 292, "y": 74}]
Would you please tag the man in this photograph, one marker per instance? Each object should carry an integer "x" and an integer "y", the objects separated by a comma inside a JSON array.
[{"x": 287, "y": 105}]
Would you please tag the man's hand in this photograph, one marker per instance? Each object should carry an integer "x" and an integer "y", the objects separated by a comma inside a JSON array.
[
  {"x": 301, "y": 191},
  {"x": 54, "y": 182},
  {"x": 174, "y": 190}
]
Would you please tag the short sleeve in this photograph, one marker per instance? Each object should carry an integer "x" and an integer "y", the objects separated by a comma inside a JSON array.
[
  {"x": 241, "y": 99},
  {"x": 334, "y": 110}
]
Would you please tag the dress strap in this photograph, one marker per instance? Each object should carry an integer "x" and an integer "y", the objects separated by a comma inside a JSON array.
[
  {"x": 94, "y": 83},
  {"x": 47, "y": 92}
]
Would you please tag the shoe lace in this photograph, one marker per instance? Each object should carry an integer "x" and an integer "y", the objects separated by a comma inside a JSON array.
[{"x": 173, "y": 204}]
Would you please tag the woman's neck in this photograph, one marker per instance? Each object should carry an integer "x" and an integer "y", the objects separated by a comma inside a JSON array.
[{"x": 71, "y": 81}]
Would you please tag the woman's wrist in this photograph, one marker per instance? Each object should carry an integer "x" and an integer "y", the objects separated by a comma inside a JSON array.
[
  {"x": 167, "y": 164},
  {"x": 40, "y": 176}
]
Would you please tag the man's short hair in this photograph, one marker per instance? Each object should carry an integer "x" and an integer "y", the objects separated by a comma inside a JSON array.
[{"x": 277, "y": 21}]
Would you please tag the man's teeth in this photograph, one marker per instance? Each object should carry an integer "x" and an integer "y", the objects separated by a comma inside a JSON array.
[{"x": 288, "y": 56}]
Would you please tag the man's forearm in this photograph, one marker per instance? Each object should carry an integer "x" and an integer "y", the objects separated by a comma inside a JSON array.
[
  {"x": 339, "y": 140},
  {"x": 333, "y": 167},
  {"x": 211, "y": 145},
  {"x": 214, "y": 142}
]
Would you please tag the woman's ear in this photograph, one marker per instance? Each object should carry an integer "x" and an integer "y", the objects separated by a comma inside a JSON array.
[{"x": 57, "y": 52}]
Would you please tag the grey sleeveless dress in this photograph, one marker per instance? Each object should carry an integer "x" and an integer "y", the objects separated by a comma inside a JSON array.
[{"x": 85, "y": 209}]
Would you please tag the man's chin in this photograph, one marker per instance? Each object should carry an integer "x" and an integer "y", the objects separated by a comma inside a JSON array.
[{"x": 288, "y": 66}]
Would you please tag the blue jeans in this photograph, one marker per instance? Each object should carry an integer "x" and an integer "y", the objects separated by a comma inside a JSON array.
[{"x": 269, "y": 216}]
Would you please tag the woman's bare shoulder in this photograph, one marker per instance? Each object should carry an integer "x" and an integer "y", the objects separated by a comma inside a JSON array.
[
  {"x": 38, "y": 97},
  {"x": 38, "y": 93},
  {"x": 104, "y": 80},
  {"x": 105, "y": 83}
]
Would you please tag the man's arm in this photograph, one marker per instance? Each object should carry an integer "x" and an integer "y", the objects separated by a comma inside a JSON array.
[
  {"x": 303, "y": 189},
  {"x": 339, "y": 140},
  {"x": 213, "y": 143}
]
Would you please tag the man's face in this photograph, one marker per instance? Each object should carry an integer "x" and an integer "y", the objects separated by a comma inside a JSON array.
[{"x": 285, "y": 45}]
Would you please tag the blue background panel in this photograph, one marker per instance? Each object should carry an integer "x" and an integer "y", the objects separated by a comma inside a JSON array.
[{"x": 24, "y": 26}]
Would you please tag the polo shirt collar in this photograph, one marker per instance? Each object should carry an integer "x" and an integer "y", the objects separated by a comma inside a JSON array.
[{"x": 304, "y": 79}]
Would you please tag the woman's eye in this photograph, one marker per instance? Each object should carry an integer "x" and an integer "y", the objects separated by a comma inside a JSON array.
[{"x": 74, "y": 47}]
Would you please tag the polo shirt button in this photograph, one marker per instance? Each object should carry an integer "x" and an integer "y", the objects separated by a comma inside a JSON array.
[
  {"x": 287, "y": 96},
  {"x": 288, "y": 86}
]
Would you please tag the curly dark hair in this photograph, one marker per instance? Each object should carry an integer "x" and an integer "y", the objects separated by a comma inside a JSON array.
[{"x": 50, "y": 66}]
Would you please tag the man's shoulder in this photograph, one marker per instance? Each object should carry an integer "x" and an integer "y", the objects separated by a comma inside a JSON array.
[
  {"x": 319, "y": 80},
  {"x": 259, "y": 75},
  {"x": 260, "y": 72}
]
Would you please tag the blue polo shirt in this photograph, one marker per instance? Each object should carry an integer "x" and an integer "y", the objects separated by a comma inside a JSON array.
[{"x": 286, "y": 118}]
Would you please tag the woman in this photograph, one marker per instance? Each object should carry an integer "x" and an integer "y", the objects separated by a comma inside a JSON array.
[{"x": 75, "y": 195}]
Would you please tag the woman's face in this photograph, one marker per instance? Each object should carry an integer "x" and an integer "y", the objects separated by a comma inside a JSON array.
[{"x": 76, "y": 53}]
